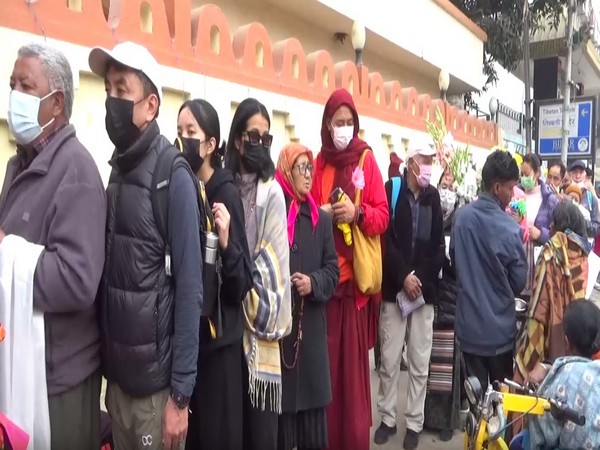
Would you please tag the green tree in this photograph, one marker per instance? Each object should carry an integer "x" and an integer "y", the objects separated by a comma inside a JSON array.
[{"x": 502, "y": 20}]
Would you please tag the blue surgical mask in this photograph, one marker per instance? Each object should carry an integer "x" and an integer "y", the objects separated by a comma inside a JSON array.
[{"x": 23, "y": 110}]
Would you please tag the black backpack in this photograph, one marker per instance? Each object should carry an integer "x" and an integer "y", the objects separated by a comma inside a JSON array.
[{"x": 168, "y": 160}]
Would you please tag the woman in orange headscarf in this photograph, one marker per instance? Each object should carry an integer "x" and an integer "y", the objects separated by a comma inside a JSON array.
[
  {"x": 349, "y": 414},
  {"x": 314, "y": 274}
]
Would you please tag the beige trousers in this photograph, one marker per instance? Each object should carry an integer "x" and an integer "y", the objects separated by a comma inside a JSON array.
[
  {"x": 393, "y": 328},
  {"x": 137, "y": 422}
]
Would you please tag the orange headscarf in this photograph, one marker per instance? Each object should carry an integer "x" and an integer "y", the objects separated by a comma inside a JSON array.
[{"x": 288, "y": 156}]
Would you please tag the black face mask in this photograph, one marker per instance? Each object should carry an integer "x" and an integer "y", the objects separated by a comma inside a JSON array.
[
  {"x": 191, "y": 152},
  {"x": 255, "y": 157},
  {"x": 119, "y": 123}
]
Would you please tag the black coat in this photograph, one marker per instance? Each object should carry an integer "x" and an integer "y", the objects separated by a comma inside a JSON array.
[
  {"x": 446, "y": 308},
  {"x": 236, "y": 271},
  {"x": 308, "y": 386},
  {"x": 427, "y": 256}
]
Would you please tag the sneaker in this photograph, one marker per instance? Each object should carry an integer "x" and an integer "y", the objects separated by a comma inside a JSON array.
[
  {"x": 446, "y": 435},
  {"x": 411, "y": 440},
  {"x": 383, "y": 433}
]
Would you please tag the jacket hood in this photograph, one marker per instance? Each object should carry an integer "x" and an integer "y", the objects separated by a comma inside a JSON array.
[{"x": 218, "y": 179}]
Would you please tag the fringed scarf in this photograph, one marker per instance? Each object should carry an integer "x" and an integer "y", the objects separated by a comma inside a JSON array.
[
  {"x": 267, "y": 307},
  {"x": 283, "y": 175},
  {"x": 560, "y": 278}
]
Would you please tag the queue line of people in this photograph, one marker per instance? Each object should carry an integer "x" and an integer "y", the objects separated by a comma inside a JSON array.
[
  {"x": 266, "y": 350},
  {"x": 217, "y": 291}
]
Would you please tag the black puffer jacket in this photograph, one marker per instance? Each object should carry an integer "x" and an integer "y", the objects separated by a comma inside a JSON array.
[
  {"x": 447, "y": 290},
  {"x": 135, "y": 288}
]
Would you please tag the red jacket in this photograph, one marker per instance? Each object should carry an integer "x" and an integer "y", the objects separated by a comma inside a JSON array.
[{"x": 373, "y": 203}]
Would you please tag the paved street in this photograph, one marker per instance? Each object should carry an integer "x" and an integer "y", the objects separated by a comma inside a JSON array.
[{"x": 427, "y": 441}]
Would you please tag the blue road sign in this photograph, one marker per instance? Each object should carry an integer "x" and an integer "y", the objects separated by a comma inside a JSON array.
[{"x": 581, "y": 128}]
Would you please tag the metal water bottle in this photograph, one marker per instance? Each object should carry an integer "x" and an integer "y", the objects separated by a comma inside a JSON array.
[{"x": 212, "y": 242}]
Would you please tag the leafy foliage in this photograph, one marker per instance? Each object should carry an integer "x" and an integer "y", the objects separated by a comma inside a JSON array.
[{"x": 502, "y": 20}]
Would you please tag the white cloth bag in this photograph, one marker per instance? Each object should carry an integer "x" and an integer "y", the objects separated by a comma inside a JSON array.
[{"x": 23, "y": 391}]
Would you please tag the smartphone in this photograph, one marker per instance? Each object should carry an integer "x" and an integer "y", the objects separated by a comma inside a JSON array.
[{"x": 334, "y": 197}]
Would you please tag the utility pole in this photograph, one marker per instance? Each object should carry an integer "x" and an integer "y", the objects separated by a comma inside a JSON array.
[
  {"x": 567, "y": 83},
  {"x": 528, "y": 119}
]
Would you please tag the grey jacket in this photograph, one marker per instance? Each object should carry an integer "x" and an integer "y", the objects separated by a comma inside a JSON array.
[
  {"x": 59, "y": 202},
  {"x": 590, "y": 203},
  {"x": 487, "y": 253}
]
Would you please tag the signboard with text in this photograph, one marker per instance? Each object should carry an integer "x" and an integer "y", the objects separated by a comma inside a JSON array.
[{"x": 582, "y": 123}]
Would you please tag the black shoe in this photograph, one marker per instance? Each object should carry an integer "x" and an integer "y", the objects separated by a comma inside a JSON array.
[
  {"x": 446, "y": 435},
  {"x": 383, "y": 433},
  {"x": 411, "y": 440}
]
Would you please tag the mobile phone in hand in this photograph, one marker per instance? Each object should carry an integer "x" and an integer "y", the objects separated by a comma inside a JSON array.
[{"x": 336, "y": 195}]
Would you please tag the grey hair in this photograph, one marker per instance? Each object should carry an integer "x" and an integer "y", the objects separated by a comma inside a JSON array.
[{"x": 56, "y": 68}]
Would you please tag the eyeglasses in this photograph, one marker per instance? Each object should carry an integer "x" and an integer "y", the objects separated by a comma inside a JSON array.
[
  {"x": 304, "y": 168},
  {"x": 255, "y": 138}
]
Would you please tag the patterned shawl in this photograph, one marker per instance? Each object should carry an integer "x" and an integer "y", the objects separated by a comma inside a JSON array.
[
  {"x": 560, "y": 278},
  {"x": 576, "y": 381},
  {"x": 267, "y": 307}
]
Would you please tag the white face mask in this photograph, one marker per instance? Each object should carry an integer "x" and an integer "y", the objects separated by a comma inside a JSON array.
[
  {"x": 23, "y": 112},
  {"x": 342, "y": 136},
  {"x": 447, "y": 200}
]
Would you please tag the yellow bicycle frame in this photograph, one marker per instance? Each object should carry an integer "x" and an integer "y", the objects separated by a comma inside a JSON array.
[{"x": 511, "y": 403}]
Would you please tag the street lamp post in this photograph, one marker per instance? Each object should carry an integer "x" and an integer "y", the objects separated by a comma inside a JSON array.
[
  {"x": 443, "y": 83},
  {"x": 494, "y": 109},
  {"x": 528, "y": 119},
  {"x": 359, "y": 38},
  {"x": 567, "y": 83}
]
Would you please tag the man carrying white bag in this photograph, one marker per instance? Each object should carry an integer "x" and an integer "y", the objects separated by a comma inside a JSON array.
[{"x": 52, "y": 239}]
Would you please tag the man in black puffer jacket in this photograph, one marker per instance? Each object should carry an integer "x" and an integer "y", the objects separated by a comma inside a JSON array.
[
  {"x": 151, "y": 293},
  {"x": 442, "y": 403}
]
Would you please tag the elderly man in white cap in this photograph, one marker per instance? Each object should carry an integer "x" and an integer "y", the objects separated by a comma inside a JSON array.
[
  {"x": 151, "y": 292},
  {"x": 413, "y": 257}
]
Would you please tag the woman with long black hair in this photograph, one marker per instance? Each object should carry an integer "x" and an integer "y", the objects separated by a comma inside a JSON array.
[
  {"x": 267, "y": 307},
  {"x": 217, "y": 402}
]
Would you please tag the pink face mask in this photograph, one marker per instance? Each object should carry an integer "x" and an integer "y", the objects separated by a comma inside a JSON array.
[{"x": 424, "y": 177}]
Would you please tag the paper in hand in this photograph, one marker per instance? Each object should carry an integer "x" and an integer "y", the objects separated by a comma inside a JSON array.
[{"x": 407, "y": 305}]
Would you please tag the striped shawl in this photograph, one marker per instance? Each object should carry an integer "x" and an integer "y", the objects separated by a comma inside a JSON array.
[{"x": 267, "y": 307}]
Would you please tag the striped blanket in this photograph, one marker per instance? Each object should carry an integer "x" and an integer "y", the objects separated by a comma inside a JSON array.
[
  {"x": 442, "y": 362},
  {"x": 267, "y": 307}
]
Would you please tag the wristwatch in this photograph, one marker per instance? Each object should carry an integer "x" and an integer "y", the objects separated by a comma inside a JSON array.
[{"x": 180, "y": 400}]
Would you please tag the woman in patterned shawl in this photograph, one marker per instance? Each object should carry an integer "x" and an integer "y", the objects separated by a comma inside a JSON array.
[{"x": 560, "y": 278}]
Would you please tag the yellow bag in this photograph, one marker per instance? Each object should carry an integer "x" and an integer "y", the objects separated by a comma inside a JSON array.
[{"x": 368, "y": 270}]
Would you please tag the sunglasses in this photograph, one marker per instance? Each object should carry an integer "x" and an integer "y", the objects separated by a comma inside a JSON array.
[
  {"x": 304, "y": 168},
  {"x": 255, "y": 138}
]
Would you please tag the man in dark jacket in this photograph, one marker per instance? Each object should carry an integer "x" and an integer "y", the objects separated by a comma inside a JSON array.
[
  {"x": 413, "y": 257},
  {"x": 53, "y": 196},
  {"x": 488, "y": 255},
  {"x": 151, "y": 292}
]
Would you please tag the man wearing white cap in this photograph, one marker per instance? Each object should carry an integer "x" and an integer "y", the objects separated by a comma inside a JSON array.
[
  {"x": 151, "y": 292},
  {"x": 413, "y": 257}
]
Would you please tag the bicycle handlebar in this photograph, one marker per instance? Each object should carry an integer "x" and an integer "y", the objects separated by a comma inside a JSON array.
[{"x": 561, "y": 411}]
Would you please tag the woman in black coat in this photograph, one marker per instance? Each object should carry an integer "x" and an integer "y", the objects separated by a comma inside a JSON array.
[
  {"x": 442, "y": 404},
  {"x": 216, "y": 405},
  {"x": 315, "y": 273}
]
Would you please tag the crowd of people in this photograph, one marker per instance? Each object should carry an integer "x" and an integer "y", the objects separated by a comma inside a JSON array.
[{"x": 230, "y": 302}]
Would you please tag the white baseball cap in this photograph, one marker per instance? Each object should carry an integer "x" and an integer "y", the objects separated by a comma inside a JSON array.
[
  {"x": 130, "y": 55},
  {"x": 425, "y": 150}
]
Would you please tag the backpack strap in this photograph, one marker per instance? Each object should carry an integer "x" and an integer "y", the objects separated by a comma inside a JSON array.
[
  {"x": 396, "y": 187},
  {"x": 168, "y": 160}
]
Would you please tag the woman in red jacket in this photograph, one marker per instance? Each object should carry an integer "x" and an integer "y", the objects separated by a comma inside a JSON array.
[{"x": 349, "y": 414}]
